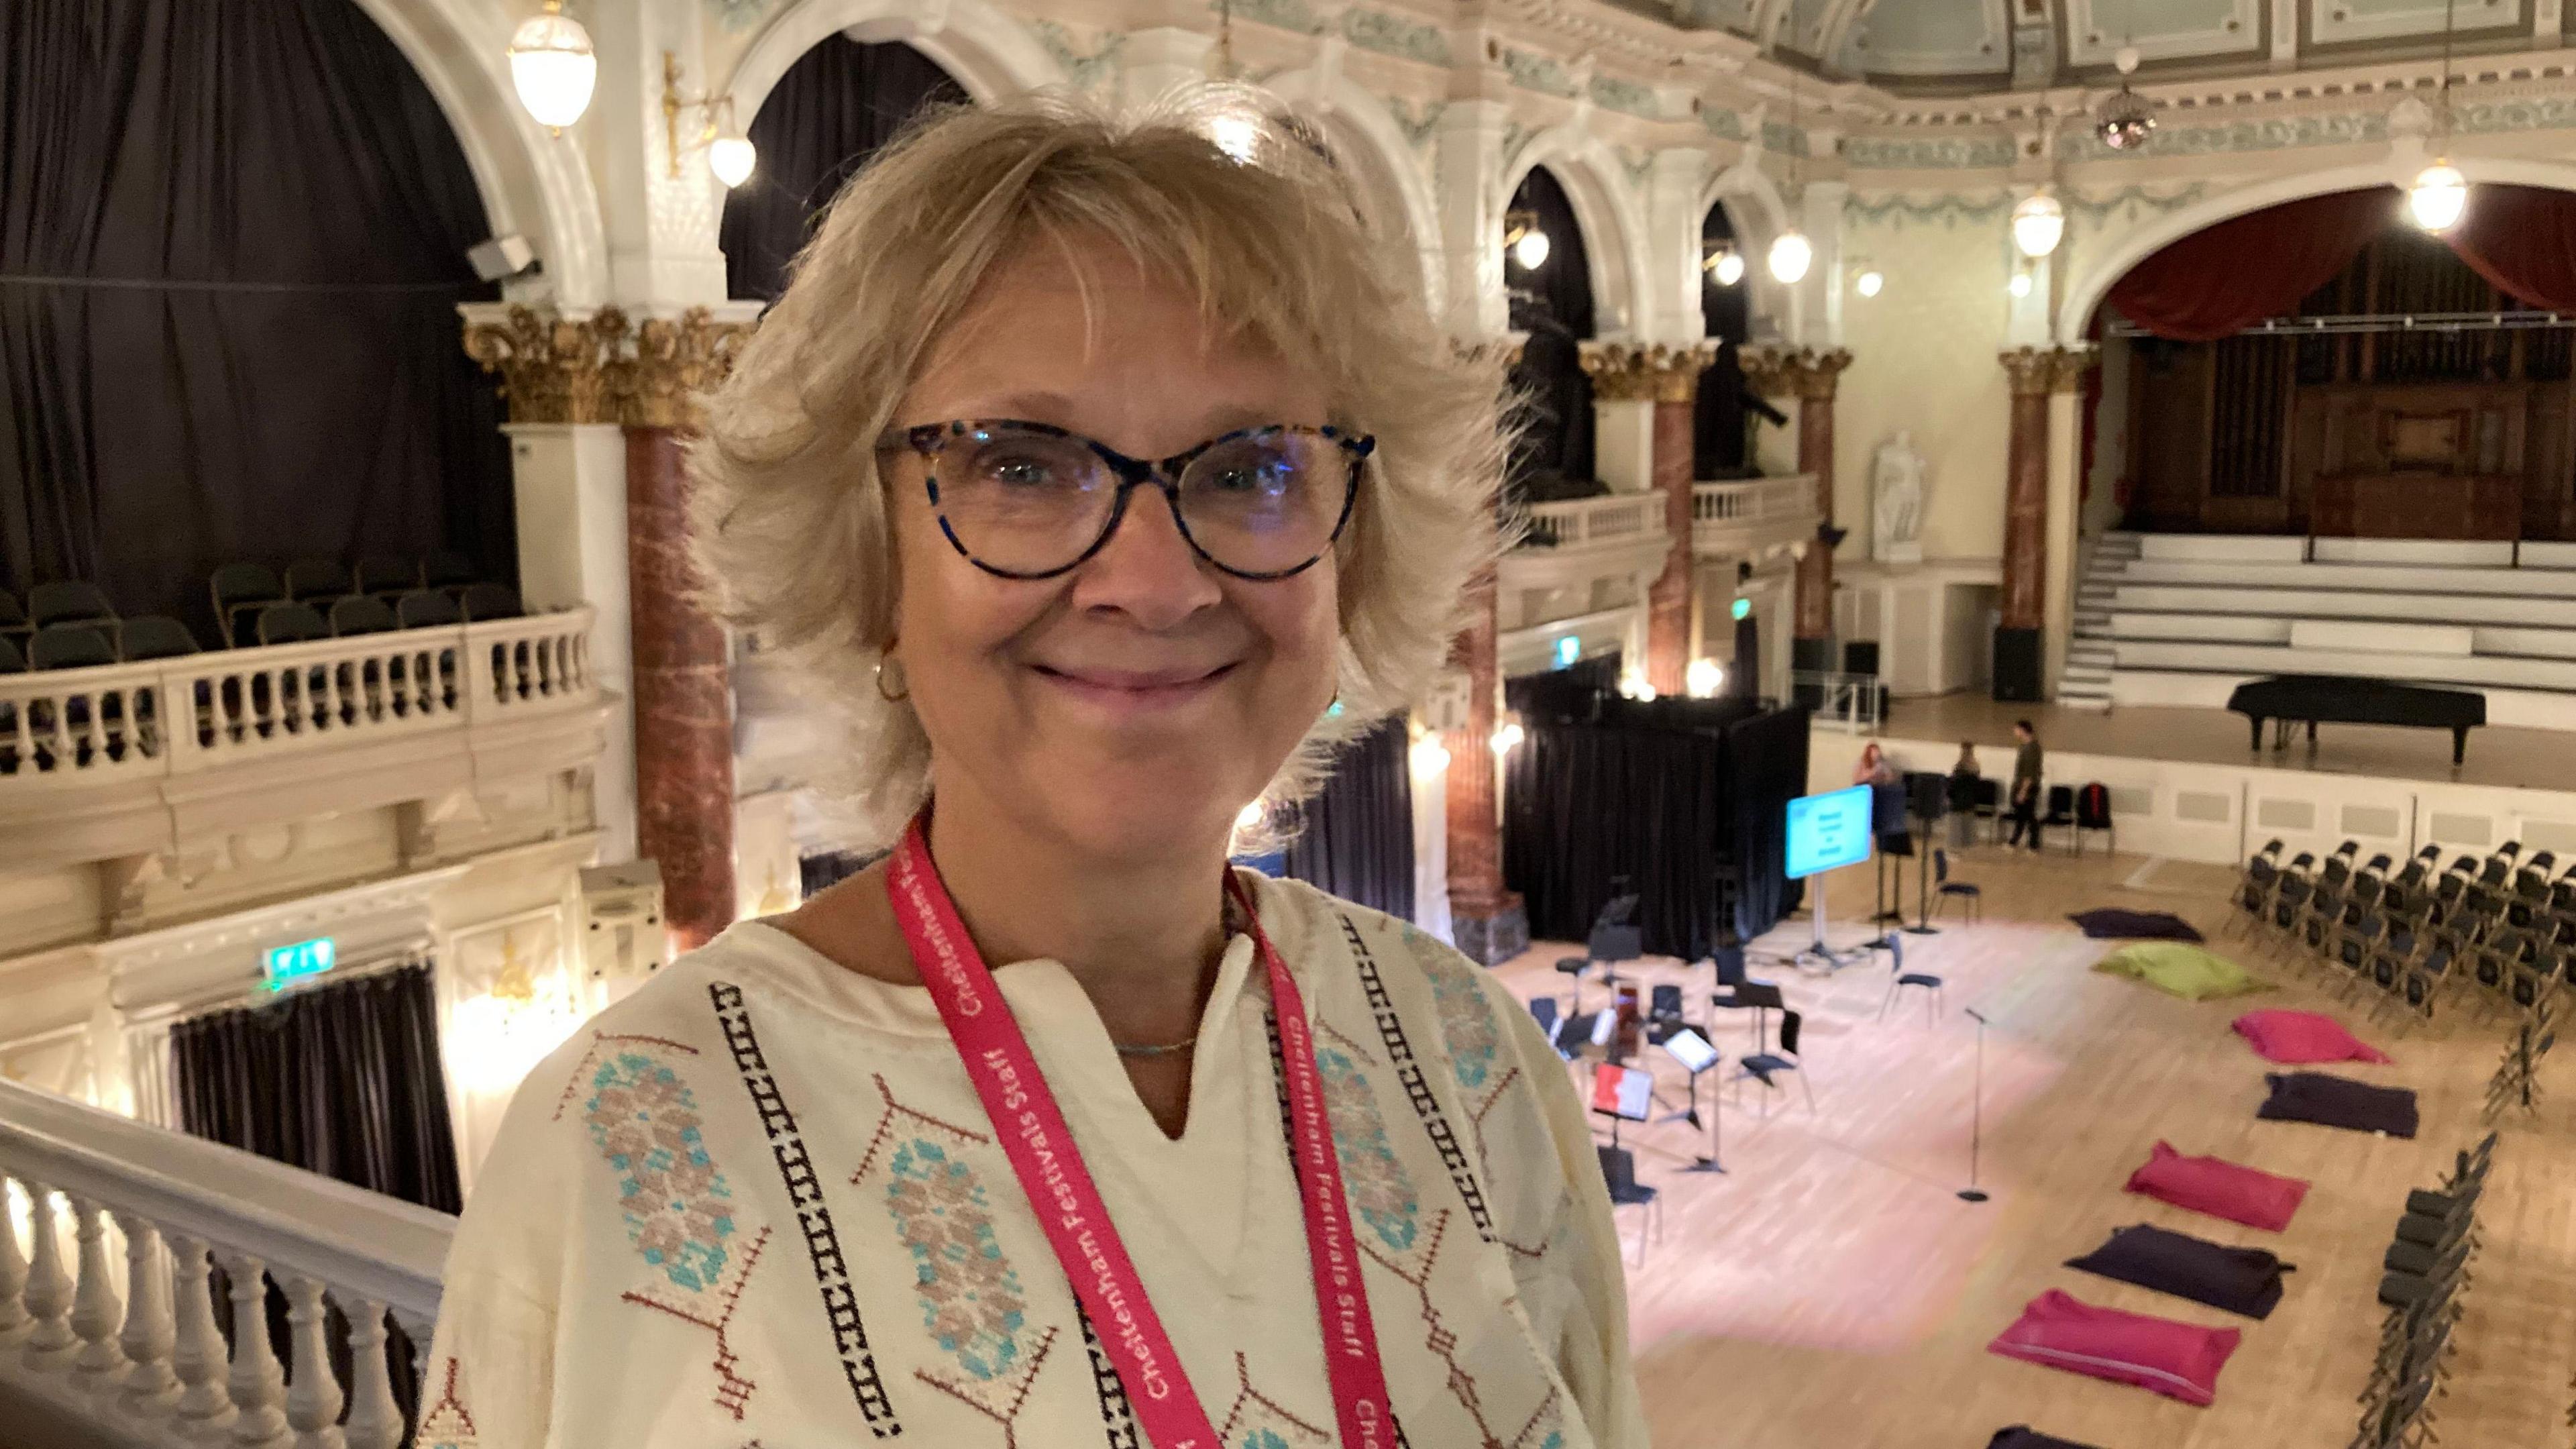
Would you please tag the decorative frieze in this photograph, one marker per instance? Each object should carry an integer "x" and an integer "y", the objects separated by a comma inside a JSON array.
[
  {"x": 602, "y": 368},
  {"x": 1645, "y": 372}
]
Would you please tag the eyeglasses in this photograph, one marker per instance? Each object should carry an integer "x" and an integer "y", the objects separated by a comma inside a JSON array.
[{"x": 1030, "y": 501}]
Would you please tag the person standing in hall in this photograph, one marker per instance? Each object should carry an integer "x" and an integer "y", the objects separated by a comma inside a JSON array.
[
  {"x": 2025, "y": 784},
  {"x": 1964, "y": 778}
]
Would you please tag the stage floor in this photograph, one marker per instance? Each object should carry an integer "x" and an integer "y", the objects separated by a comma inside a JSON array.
[
  {"x": 2498, "y": 755},
  {"x": 1831, "y": 1289}
]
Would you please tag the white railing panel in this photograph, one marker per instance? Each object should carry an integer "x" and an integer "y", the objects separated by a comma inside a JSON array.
[
  {"x": 1615, "y": 518},
  {"x": 88, "y": 727},
  {"x": 1753, "y": 512}
]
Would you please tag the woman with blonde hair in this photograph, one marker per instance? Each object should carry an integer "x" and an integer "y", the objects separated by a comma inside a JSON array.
[{"x": 1106, "y": 482}]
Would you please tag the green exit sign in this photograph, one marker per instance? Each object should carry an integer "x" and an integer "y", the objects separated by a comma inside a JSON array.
[
  {"x": 1741, "y": 608},
  {"x": 285, "y": 965}
]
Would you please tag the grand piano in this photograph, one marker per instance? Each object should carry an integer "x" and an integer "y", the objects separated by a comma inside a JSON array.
[{"x": 2346, "y": 699}]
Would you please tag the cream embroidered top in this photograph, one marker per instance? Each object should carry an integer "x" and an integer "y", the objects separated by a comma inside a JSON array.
[{"x": 759, "y": 1203}]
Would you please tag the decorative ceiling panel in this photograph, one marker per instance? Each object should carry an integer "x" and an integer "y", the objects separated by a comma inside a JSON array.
[
  {"x": 1934, "y": 38},
  {"x": 2168, "y": 30},
  {"x": 2345, "y": 22}
]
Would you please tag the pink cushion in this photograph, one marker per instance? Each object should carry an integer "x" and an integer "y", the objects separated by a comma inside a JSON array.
[
  {"x": 2302, "y": 1037},
  {"x": 2177, "y": 1360},
  {"x": 2220, "y": 1189}
]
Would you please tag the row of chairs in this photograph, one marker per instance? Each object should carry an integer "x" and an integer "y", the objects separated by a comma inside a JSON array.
[
  {"x": 2502, "y": 929},
  {"x": 243, "y": 592},
  {"x": 91, "y": 643},
  {"x": 2424, "y": 1269},
  {"x": 2075, "y": 809}
]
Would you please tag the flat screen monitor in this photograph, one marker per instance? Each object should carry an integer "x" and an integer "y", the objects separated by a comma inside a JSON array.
[
  {"x": 1691, "y": 1050},
  {"x": 1627, "y": 1092},
  {"x": 1828, "y": 831}
]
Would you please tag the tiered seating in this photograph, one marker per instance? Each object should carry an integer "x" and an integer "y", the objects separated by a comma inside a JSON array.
[
  {"x": 2497, "y": 934},
  {"x": 2188, "y": 617},
  {"x": 2426, "y": 1267}
]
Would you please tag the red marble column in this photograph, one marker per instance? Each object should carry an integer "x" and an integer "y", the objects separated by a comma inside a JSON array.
[
  {"x": 2025, "y": 562},
  {"x": 1668, "y": 601},
  {"x": 1816, "y": 377},
  {"x": 683, "y": 698},
  {"x": 1486, "y": 921}
]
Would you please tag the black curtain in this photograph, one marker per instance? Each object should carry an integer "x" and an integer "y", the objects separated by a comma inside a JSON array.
[
  {"x": 828, "y": 114},
  {"x": 1555, "y": 692},
  {"x": 342, "y": 1079},
  {"x": 1717, "y": 421},
  {"x": 1552, "y": 456},
  {"x": 1766, "y": 767},
  {"x": 1355, "y": 837},
  {"x": 232, "y": 241}
]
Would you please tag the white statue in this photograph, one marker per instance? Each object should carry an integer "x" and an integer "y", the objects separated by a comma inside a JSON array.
[{"x": 1896, "y": 491}]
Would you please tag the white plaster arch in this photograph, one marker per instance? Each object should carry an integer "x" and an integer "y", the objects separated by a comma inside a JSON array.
[
  {"x": 532, "y": 183},
  {"x": 989, "y": 51},
  {"x": 1605, "y": 206},
  {"x": 1388, "y": 163},
  {"x": 2086, "y": 288},
  {"x": 1758, "y": 212}
]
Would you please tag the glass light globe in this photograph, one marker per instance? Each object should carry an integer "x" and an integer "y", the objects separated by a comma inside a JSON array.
[
  {"x": 2439, "y": 198},
  {"x": 1506, "y": 737},
  {"x": 2038, "y": 224},
  {"x": 1790, "y": 257},
  {"x": 1730, "y": 267},
  {"x": 1531, "y": 250},
  {"x": 1871, "y": 282},
  {"x": 553, "y": 69},
  {"x": 731, "y": 159},
  {"x": 2019, "y": 286},
  {"x": 1705, "y": 677},
  {"x": 1430, "y": 757}
]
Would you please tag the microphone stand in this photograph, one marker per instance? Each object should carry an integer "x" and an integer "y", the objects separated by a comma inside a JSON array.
[
  {"x": 1977, "y": 1114},
  {"x": 1923, "y": 882},
  {"x": 1708, "y": 1162}
]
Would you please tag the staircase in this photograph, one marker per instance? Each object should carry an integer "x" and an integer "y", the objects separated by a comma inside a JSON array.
[{"x": 2086, "y": 682}]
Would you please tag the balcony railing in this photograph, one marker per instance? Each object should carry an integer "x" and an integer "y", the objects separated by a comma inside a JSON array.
[
  {"x": 1752, "y": 515},
  {"x": 110, "y": 1235},
  {"x": 1615, "y": 518},
  {"x": 121, "y": 722}
]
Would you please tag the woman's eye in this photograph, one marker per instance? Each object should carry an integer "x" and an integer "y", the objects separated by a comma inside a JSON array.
[{"x": 1020, "y": 472}]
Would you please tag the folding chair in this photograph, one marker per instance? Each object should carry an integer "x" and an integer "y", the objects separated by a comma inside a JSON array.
[
  {"x": 1944, "y": 890},
  {"x": 1619, "y": 1173},
  {"x": 1761, "y": 1065}
]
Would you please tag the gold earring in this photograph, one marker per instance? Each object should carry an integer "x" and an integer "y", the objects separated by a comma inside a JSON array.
[{"x": 902, "y": 689}]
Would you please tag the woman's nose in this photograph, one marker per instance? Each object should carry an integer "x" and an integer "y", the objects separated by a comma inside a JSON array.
[{"x": 1147, "y": 569}]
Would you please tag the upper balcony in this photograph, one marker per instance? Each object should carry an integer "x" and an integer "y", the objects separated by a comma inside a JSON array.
[
  {"x": 1753, "y": 517},
  {"x": 129, "y": 759}
]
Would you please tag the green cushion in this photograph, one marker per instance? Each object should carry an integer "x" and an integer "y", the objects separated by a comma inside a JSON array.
[{"x": 2184, "y": 970}]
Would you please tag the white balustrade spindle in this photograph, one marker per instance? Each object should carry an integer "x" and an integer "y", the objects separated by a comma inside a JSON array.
[
  {"x": 313, "y": 1395},
  {"x": 97, "y": 1311},
  {"x": 13, "y": 1269},
  {"x": 375, "y": 1419},
  {"x": 205, "y": 1409},
  {"x": 49, "y": 1289},
  {"x": 151, "y": 1390},
  {"x": 258, "y": 1382}
]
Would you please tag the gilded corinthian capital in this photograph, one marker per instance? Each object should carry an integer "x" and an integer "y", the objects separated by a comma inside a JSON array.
[
  {"x": 1809, "y": 373},
  {"x": 2039, "y": 371},
  {"x": 1645, "y": 372},
  {"x": 602, "y": 368}
]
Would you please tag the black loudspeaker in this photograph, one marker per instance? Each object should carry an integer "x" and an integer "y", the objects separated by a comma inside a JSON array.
[
  {"x": 1927, "y": 795},
  {"x": 1860, "y": 656},
  {"x": 1744, "y": 680},
  {"x": 2018, "y": 656},
  {"x": 1816, "y": 655}
]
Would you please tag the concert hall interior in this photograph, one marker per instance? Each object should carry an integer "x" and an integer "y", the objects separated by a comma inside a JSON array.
[{"x": 2024, "y": 711}]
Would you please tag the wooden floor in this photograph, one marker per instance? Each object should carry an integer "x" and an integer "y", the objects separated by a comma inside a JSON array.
[
  {"x": 1831, "y": 1290},
  {"x": 2498, "y": 755}
]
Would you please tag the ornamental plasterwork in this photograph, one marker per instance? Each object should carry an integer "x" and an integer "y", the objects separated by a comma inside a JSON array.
[
  {"x": 1532, "y": 71},
  {"x": 1292, "y": 15},
  {"x": 1398, "y": 36},
  {"x": 1948, "y": 153},
  {"x": 1783, "y": 138},
  {"x": 1420, "y": 122},
  {"x": 2131, "y": 203},
  {"x": 2276, "y": 133},
  {"x": 1949, "y": 212},
  {"x": 2521, "y": 113},
  {"x": 1722, "y": 122},
  {"x": 739, "y": 15},
  {"x": 1612, "y": 93},
  {"x": 1090, "y": 71},
  {"x": 1636, "y": 163}
]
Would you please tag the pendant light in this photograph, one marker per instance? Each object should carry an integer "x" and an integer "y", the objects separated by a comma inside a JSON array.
[
  {"x": 2440, "y": 195},
  {"x": 552, "y": 67}
]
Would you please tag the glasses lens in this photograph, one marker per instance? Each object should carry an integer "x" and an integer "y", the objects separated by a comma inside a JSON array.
[
  {"x": 1022, "y": 501},
  {"x": 1268, "y": 501}
]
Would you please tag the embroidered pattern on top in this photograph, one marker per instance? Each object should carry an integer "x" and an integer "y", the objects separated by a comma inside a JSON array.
[
  {"x": 1257, "y": 1421},
  {"x": 448, "y": 1424},
  {"x": 1408, "y": 1071},
  {"x": 813, "y": 1216},
  {"x": 679, "y": 1210}
]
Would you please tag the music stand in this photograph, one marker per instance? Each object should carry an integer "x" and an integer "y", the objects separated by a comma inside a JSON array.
[
  {"x": 1696, "y": 1056},
  {"x": 1622, "y": 1094},
  {"x": 1759, "y": 997},
  {"x": 1929, "y": 796}
]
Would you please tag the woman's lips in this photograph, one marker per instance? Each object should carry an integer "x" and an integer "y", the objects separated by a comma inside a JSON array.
[{"x": 1134, "y": 691}]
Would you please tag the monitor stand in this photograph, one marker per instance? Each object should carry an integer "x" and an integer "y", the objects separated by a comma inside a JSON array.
[{"x": 1819, "y": 956}]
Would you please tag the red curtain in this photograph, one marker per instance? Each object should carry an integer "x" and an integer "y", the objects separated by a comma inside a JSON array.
[
  {"x": 2522, "y": 239},
  {"x": 2217, "y": 282}
]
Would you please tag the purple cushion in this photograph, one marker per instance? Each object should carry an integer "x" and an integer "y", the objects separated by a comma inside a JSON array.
[
  {"x": 2022, "y": 1436},
  {"x": 2239, "y": 1280},
  {"x": 2333, "y": 1101},
  {"x": 2107, "y": 924}
]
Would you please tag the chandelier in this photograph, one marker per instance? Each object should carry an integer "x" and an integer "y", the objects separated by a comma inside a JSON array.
[{"x": 2125, "y": 122}]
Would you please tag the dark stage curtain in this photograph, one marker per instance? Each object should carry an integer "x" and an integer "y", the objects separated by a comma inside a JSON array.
[
  {"x": 342, "y": 1079},
  {"x": 2216, "y": 282},
  {"x": 1355, "y": 837},
  {"x": 1552, "y": 456},
  {"x": 2522, "y": 239},
  {"x": 232, "y": 241},
  {"x": 1766, "y": 767},
  {"x": 1562, "y": 693},
  {"x": 829, "y": 113}
]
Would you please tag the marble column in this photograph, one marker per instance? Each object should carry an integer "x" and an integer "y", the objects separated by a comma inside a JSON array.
[
  {"x": 1813, "y": 377},
  {"x": 1666, "y": 379},
  {"x": 2020, "y": 640},
  {"x": 1486, "y": 921}
]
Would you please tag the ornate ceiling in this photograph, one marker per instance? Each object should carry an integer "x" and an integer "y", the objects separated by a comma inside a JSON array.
[{"x": 1941, "y": 46}]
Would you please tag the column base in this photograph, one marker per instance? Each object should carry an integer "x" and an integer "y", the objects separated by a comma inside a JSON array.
[
  {"x": 2018, "y": 668},
  {"x": 1490, "y": 932}
]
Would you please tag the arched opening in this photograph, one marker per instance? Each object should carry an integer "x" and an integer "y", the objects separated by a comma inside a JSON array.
[
  {"x": 1721, "y": 444},
  {"x": 230, "y": 316},
  {"x": 1552, "y": 304},
  {"x": 2325, "y": 367},
  {"x": 833, "y": 109}
]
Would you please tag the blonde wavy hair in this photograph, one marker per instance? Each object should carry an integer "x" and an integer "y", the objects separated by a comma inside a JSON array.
[{"x": 791, "y": 514}]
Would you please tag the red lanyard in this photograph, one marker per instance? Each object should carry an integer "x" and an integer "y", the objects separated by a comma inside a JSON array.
[{"x": 1068, "y": 1205}]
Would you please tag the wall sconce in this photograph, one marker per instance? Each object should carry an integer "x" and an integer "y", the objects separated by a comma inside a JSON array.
[
  {"x": 1868, "y": 280},
  {"x": 1523, "y": 241},
  {"x": 1507, "y": 738},
  {"x": 1725, "y": 266},
  {"x": 729, "y": 153},
  {"x": 552, "y": 67},
  {"x": 2038, "y": 224}
]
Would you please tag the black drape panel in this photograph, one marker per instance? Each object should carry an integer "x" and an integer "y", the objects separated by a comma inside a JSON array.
[
  {"x": 1766, "y": 767},
  {"x": 342, "y": 1079},
  {"x": 232, "y": 241},
  {"x": 1565, "y": 692},
  {"x": 1552, "y": 457},
  {"x": 1355, "y": 836},
  {"x": 827, "y": 115}
]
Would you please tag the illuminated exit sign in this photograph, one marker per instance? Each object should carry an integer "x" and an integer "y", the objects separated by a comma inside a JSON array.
[{"x": 285, "y": 965}]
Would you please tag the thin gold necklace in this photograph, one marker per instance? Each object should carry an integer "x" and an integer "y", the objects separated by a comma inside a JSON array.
[{"x": 1183, "y": 1044}]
